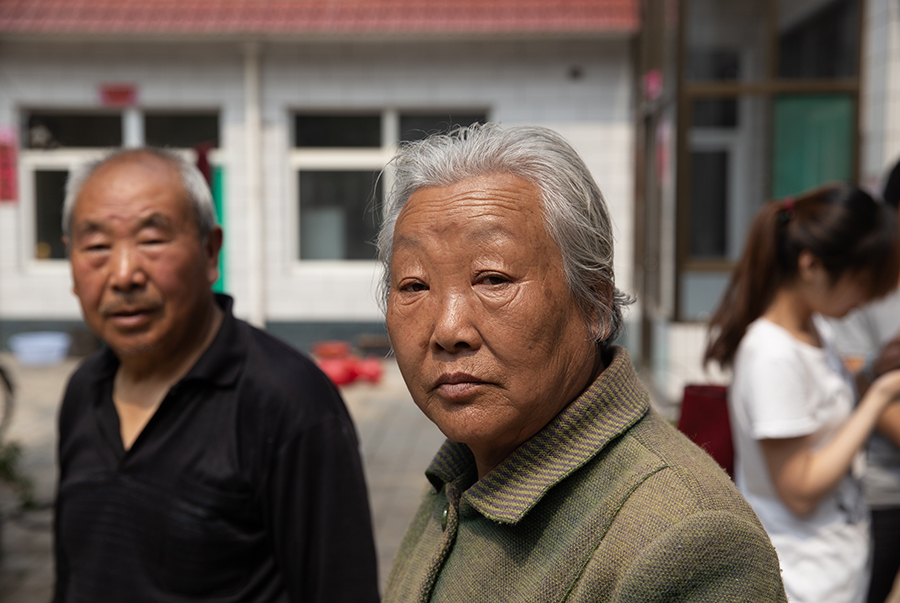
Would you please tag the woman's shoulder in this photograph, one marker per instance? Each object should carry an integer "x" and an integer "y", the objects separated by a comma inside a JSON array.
[
  {"x": 769, "y": 346},
  {"x": 679, "y": 512},
  {"x": 763, "y": 331}
]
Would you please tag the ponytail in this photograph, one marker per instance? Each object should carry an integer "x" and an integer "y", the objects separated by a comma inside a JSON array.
[{"x": 753, "y": 284}]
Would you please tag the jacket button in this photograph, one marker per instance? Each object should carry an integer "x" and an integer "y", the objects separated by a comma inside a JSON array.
[{"x": 444, "y": 515}]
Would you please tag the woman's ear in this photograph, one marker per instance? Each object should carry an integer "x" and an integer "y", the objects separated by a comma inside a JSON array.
[
  {"x": 810, "y": 268},
  {"x": 599, "y": 322}
]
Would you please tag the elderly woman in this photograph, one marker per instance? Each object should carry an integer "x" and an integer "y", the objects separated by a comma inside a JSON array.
[{"x": 557, "y": 481}]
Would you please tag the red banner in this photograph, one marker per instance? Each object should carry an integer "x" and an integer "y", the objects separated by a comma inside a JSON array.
[
  {"x": 9, "y": 165},
  {"x": 118, "y": 95}
]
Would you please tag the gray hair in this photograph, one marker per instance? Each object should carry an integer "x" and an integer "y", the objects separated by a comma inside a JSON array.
[
  {"x": 192, "y": 181},
  {"x": 575, "y": 213}
]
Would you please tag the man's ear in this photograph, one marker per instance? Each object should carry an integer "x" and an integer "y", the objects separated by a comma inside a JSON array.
[{"x": 211, "y": 250}]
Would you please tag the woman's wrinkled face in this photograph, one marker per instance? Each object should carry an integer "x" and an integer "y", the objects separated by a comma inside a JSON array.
[{"x": 488, "y": 338}]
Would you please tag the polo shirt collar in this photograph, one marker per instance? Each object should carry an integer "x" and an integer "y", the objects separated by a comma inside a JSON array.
[
  {"x": 614, "y": 402},
  {"x": 220, "y": 364}
]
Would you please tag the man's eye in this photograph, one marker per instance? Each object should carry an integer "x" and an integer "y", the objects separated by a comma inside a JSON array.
[
  {"x": 150, "y": 238},
  {"x": 494, "y": 279}
]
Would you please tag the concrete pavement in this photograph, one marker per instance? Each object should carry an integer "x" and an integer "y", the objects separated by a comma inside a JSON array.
[{"x": 397, "y": 443}]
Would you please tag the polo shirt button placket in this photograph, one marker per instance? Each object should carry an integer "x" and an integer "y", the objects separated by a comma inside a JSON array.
[{"x": 444, "y": 516}]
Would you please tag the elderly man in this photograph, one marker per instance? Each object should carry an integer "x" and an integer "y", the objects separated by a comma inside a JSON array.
[
  {"x": 201, "y": 459},
  {"x": 558, "y": 482}
]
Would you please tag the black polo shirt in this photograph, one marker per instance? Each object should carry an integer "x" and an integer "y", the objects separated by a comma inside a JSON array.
[{"x": 246, "y": 484}]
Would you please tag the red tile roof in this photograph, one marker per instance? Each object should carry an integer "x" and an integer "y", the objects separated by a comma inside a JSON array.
[{"x": 317, "y": 16}]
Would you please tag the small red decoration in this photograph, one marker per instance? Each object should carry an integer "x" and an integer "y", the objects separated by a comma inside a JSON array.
[
  {"x": 342, "y": 366},
  {"x": 9, "y": 165},
  {"x": 118, "y": 95}
]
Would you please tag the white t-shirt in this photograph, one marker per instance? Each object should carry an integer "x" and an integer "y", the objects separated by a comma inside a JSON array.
[{"x": 785, "y": 388}]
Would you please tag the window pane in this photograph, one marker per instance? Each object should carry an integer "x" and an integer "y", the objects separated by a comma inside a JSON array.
[
  {"x": 338, "y": 214},
  {"x": 715, "y": 113},
  {"x": 726, "y": 40},
  {"x": 709, "y": 196},
  {"x": 53, "y": 130},
  {"x": 728, "y": 173},
  {"x": 714, "y": 64},
  {"x": 812, "y": 141},
  {"x": 818, "y": 38},
  {"x": 701, "y": 292},
  {"x": 317, "y": 130},
  {"x": 181, "y": 130},
  {"x": 49, "y": 191},
  {"x": 418, "y": 126}
]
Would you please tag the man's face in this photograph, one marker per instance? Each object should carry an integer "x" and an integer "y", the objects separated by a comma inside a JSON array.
[
  {"x": 139, "y": 268},
  {"x": 488, "y": 338}
]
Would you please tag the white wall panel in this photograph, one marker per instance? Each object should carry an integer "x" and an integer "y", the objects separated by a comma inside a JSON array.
[{"x": 516, "y": 82}]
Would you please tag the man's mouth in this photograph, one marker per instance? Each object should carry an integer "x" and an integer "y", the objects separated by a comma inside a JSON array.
[{"x": 128, "y": 316}]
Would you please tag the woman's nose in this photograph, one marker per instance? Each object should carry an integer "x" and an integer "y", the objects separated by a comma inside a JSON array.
[{"x": 455, "y": 327}]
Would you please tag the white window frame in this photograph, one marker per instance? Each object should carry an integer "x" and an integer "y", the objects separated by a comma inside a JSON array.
[
  {"x": 71, "y": 158},
  {"x": 337, "y": 159},
  {"x": 31, "y": 161}
]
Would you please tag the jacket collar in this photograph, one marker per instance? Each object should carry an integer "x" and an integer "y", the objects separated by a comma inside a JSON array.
[{"x": 614, "y": 402}]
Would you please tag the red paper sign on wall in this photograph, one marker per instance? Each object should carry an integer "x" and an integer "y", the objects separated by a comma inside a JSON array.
[
  {"x": 9, "y": 165},
  {"x": 118, "y": 95}
]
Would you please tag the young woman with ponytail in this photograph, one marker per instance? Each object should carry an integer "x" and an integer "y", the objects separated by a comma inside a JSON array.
[{"x": 797, "y": 429}]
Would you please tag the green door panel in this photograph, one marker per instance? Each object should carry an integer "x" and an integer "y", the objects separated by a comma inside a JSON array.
[{"x": 812, "y": 142}]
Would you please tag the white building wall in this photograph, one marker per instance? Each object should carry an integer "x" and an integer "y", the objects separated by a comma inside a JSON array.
[
  {"x": 515, "y": 82},
  {"x": 68, "y": 77},
  {"x": 880, "y": 94}
]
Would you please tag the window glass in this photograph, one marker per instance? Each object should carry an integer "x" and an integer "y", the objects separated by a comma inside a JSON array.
[
  {"x": 818, "y": 38},
  {"x": 728, "y": 145},
  {"x": 812, "y": 141},
  {"x": 715, "y": 113},
  {"x": 52, "y": 130},
  {"x": 418, "y": 126},
  {"x": 181, "y": 130},
  {"x": 348, "y": 131},
  {"x": 338, "y": 214},
  {"x": 49, "y": 192},
  {"x": 709, "y": 194},
  {"x": 726, "y": 40}
]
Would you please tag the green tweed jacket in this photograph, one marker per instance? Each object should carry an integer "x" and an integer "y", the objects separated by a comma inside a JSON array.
[{"x": 607, "y": 503}]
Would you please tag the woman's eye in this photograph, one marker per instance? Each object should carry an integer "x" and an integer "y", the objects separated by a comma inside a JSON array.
[{"x": 414, "y": 287}]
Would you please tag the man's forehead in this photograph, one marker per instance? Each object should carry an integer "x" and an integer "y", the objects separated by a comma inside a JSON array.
[
  {"x": 135, "y": 185},
  {"x": 148, "y": 219},
  {"x": 137, "y": 166}
]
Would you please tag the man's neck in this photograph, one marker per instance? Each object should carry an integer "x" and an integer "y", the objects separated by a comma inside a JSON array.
[
  {"x": 141, "y": 384},
  {"x": 171, "y": 363}
]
